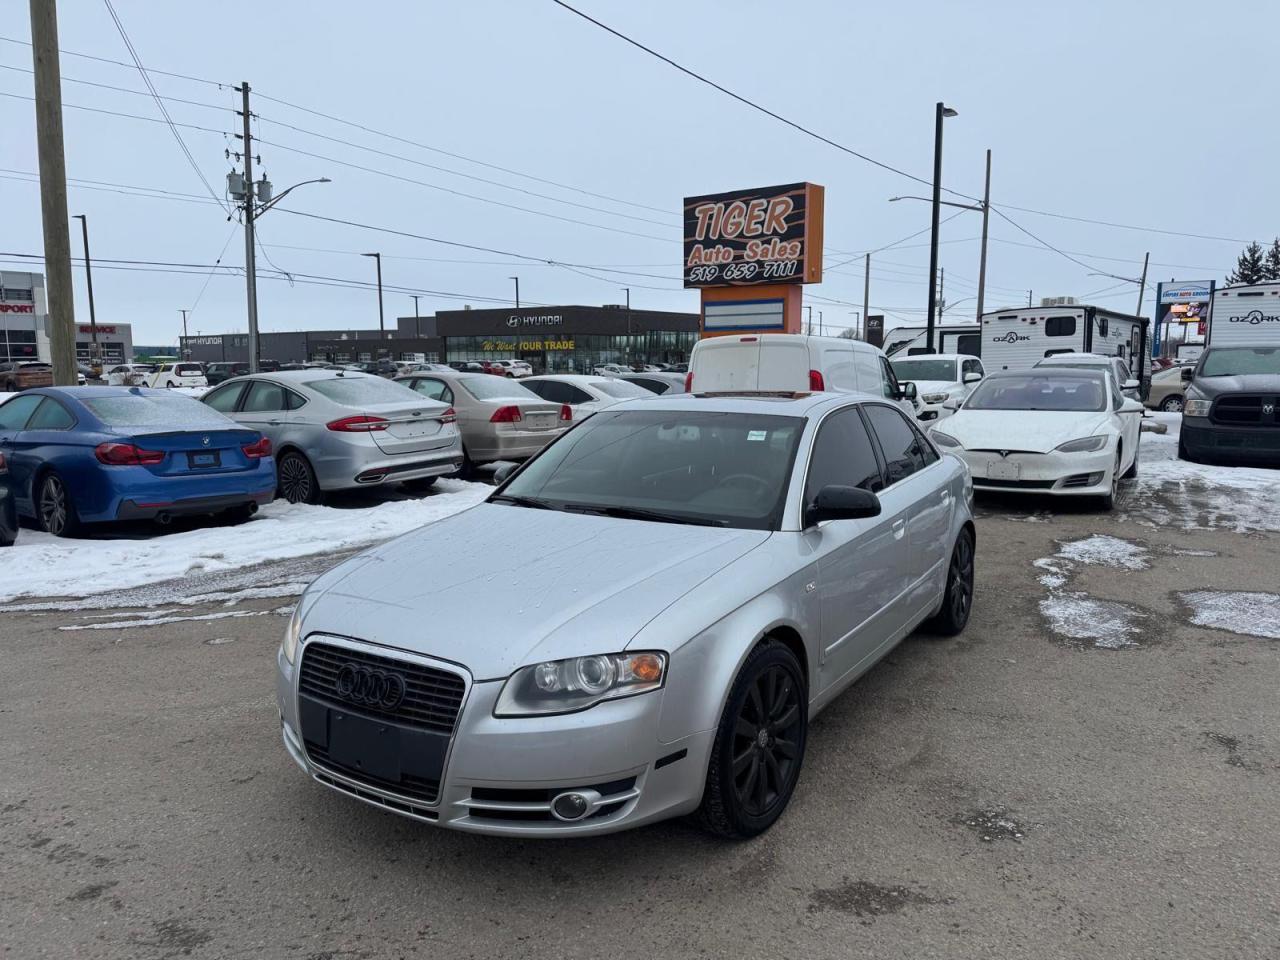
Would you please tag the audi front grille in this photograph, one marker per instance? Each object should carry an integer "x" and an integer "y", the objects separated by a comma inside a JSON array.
[{"x": 431, "y": 698}]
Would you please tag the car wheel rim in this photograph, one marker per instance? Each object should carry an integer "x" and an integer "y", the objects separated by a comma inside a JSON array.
[
  {"x": 766, "y": 744},
  {"x": 53, "y": 507},
  {"x": 295, "y": 483},
  {"x": 1173, "y": 405},
  {"x": 960, "y": 585}
]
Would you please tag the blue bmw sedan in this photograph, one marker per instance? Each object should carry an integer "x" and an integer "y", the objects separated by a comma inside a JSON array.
[{"x": 77, "y": 455}]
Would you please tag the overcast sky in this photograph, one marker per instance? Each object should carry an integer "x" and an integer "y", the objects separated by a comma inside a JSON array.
[{"x": 1156, "y": 115}]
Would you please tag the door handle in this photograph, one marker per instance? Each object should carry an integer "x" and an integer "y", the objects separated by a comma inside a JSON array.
[
  {"x": 273, "y": 423},
  {"x": 946, "y": 496},
  {"x": 899, "y": 528}
]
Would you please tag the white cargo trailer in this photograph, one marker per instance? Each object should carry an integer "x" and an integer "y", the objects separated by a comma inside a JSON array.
[
  {"x": 963, "y": 338},
  {"x": 1016, "y": 339},
  {"x": 1245, "y": 314}
]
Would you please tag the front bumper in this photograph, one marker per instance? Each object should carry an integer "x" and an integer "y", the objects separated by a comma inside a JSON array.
[
  {"x": 932, "y": 412},
  {"x": 1252, "y": 444},
  {"x": 500, "y": 773},
  {"x": 1057, "y": 474}
]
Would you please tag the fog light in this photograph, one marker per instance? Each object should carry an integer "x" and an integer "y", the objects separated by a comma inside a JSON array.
[{"x": 573, "y": 805}]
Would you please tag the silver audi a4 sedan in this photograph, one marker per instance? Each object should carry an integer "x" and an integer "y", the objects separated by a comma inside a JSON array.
[{"x": 682, "y": 585}]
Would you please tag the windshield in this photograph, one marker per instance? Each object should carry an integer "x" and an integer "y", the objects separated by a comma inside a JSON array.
[
  {"x": 721, "y": 469},
  {"x": 149, "y": 410},
  {"x": 496, "y": 388},
  {"x": 925, "y": 370},
  {"x": 622, "y": 389},
  {"x": 1240, "y": 361},
  {"x": 360, "y": 391},
  {"x": 1040, "y": 391}
]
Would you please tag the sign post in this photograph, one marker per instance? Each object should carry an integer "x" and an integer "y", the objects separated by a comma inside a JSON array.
[{"x": 750, "y": 252}]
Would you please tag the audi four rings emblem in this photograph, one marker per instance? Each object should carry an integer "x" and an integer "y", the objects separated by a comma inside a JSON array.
[{"x": 369, "y": 687}]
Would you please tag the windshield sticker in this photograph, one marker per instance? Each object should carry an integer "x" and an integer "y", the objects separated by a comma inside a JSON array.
[{"x": 757, "y": 434}]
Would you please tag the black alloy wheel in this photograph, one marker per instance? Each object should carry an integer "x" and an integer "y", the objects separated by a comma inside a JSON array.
[
  {"x": 296, "y": 479},
  {"x": 57, "y": 512},
  {"x": 957, "y": 602},
  {"x": 759, "y": 747}
]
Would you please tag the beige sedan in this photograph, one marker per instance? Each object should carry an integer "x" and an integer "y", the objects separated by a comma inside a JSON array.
[{"x": 1167, "y": 387}]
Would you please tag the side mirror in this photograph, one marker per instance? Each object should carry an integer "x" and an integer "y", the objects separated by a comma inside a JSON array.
[
  {"x": 503, "y": 472},
  {"x": 972, "y": 377},
  {"x": 1131, "y": 384},
  {"x": 951, "y": 403},
  {"x": 907, "y": 391},
  {"x": 1187, "y": 374},
  {"x": 1132, "y": 406},
  {"x": 835, "y": 502}
]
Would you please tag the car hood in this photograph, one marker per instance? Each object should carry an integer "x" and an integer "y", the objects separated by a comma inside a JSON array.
[
  {"x": 497, "y": 587},
  {"x": 1250, "y": 383},
  {"x": 935, "y": 386},
  {"x": 1035, "y": 430}
]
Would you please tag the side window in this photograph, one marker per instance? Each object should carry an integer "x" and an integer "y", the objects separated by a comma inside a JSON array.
[
  {"x": 549, "y": 390},
  {"x": 224, "y": 399},
  {"x": 888, "y": 381},
  {"x": 1123, "y": 370},
  {"x": 435, "y": 389},
  {"x": 928, "y": 455},
  {"x": 294, "y": 400},
  {"x": 15, "y": 413},
  {"x": 575, "y": 395},
  {"x": 51, "y": 415},
  {"x": 898, "y": 441},
  {"x": 842, "y": 455},
  {"x": 969, "y": 343},
  {"x": 264, "y": 397},
  {"x": 971, "y": 366},
  {"x": 1060, "y": 327}
]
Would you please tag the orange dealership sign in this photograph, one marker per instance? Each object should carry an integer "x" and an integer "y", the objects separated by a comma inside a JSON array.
[{"x": 750, "y": 237}]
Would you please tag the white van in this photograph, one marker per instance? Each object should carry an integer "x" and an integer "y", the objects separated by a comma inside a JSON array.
[
  {"x": 793, "y": 363},
  {"x": 1245, "y": 314}
]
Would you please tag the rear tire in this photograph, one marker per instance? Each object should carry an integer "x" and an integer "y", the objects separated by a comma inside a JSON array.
[
  {"x": 957, "y": 601},
  {"x": 55, "y": 510},
  {"x": 420, "y": 485},
  {"x": 1172, "y": 404},
  {"x": 295, "y": 480},
  {"x": 1132, "y": 472},
  {"x": 759, "y": 745},
  {"x": 468, "y": 469}
]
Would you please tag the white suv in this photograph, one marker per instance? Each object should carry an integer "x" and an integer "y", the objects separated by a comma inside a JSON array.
[
  {"x": 1125, "y": 380},
  {"x": 178, "y": 375},
  {"x": 514, "y": 368},
  {"x": 938, "y": 377}
]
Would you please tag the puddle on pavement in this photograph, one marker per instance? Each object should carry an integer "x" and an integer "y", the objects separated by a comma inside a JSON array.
[{"x": 1247, "y": 613}]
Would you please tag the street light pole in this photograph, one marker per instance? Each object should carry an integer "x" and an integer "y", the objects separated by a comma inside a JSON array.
[
  {"x": 982, "y": 261},
  {"x": 185, "y": 351},
  {"x": 382, "y": 326},
  {"x": 942, "y": 111},
  {"x": 415, "y": 304},
  {"x": 95, "y": 355},
  {"x": 517, "y": 280}
]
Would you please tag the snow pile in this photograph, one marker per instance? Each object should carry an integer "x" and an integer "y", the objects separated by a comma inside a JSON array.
[
  {"x": 1055, "y": 574},
  {"x": 1251, "y": 614},
  {"x": 1106, "y": 551},
  {"x": 1078, "y": 616},
  {"x": 43, "y": 566}
]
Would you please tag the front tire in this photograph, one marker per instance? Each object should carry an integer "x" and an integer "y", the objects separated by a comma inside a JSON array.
[
  {"x": 1172, "y": 404},
  {"x": 57, "y": 513},
  {"x": 957, "y": 601},
  {"x": 759, "y": 745},
  {"x": 296, "y": 480},
  {"x": 1108, "y": 500}
]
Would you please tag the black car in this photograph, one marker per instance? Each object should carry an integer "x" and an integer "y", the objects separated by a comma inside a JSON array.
[
  {"x": 216, "y": 373},
  {"x": 8, "y": 509},
  {"x": 1232, "y": 408}
]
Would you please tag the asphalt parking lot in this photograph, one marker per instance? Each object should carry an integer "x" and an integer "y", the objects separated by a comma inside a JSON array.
[{"x": 1087, "y": 772}]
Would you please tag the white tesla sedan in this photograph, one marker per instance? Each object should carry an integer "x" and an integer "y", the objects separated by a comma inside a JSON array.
[{"x": 1067, "y": 432}]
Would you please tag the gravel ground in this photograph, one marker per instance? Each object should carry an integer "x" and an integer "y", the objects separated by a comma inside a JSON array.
[{"x": 1022, "y": 791}]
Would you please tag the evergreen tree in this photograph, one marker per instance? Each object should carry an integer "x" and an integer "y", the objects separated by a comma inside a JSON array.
[
  {"x": 1271, "y": 266},
  {"x": 1250, "y": 267}
]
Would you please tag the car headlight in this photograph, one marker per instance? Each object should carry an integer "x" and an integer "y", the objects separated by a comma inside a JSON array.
[
  {"x": 565, "y": 686},
  {"x": 944, "y": 439},
  {"x": 935, "y": 397},
  {"x": 292, "y": 634},
  {"x": 1197, "y": 408},
  {"x": 1083, "y": 445}
]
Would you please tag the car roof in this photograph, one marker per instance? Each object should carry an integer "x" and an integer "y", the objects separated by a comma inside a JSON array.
[
  {"x": 576, "y": 378},
  {"x": 97, "y": 392},
  {"x": 1095, "y": 358},
  {"x": 1082, "y": 373},
  {"x": 933, "y": 356},
  {"x": 783, "y": 405}
]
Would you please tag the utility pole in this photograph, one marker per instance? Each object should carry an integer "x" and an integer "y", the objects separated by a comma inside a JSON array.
[
  {"x": 186, "y": 353},
  {"x": 1028, "y": 298},
  {"x": 53, "y": 191},
  {"x": 517, "y": 280},
  {"x": 1142, "y": 284},
  {"x": 95, "y": 355},
  {"x": 820, "y": 323},
  {"x": 415, "y": 306},
  {"x": 866, "y": 295},
  {"x": 382, "y": 326},
  {"x": 982, "y": 261},
  {"x": 250, "y": 259},
  {"x": 809, "y": 330},
  {"x": 942, "y": 111},
  {"x": 942, "y": 300}
]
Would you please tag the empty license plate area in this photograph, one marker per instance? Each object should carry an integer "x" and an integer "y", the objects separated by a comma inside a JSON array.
[
  {"x": 1004, "y": 470},
  {"x": 204, "y": 459}
]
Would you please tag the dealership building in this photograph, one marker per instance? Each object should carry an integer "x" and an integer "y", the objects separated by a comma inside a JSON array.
[
  {"x": 23, "y": 316},
  {"x": 560, "y": 339}
]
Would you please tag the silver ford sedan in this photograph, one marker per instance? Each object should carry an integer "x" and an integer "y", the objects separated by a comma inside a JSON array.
[{"x": 682, "y": 585}]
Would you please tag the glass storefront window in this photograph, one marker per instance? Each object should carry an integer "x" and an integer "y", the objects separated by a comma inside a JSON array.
[{"x": 570, "y": 353}]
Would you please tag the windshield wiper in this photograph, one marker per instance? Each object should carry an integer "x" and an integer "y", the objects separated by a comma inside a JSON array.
[
  {"x": 640, "y": 513},
  {"x": 518, "y": 501}
]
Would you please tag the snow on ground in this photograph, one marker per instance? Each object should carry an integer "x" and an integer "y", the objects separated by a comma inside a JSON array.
[
  {"x": 1251, "y": 614},
  {"x": 1078, "y": 616},
  {"x": 1106, "y": 551},
  {"x": 39, "y": 565}
]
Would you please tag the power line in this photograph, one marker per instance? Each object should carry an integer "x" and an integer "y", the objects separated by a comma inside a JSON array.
[
  {"x": 121, "y": 63},
  {"x": 136, "y": 93},
  {"x": 163, "y": 109},
  {"x": 119, "y": 113},
  {"x": 216, "y": 264}
]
